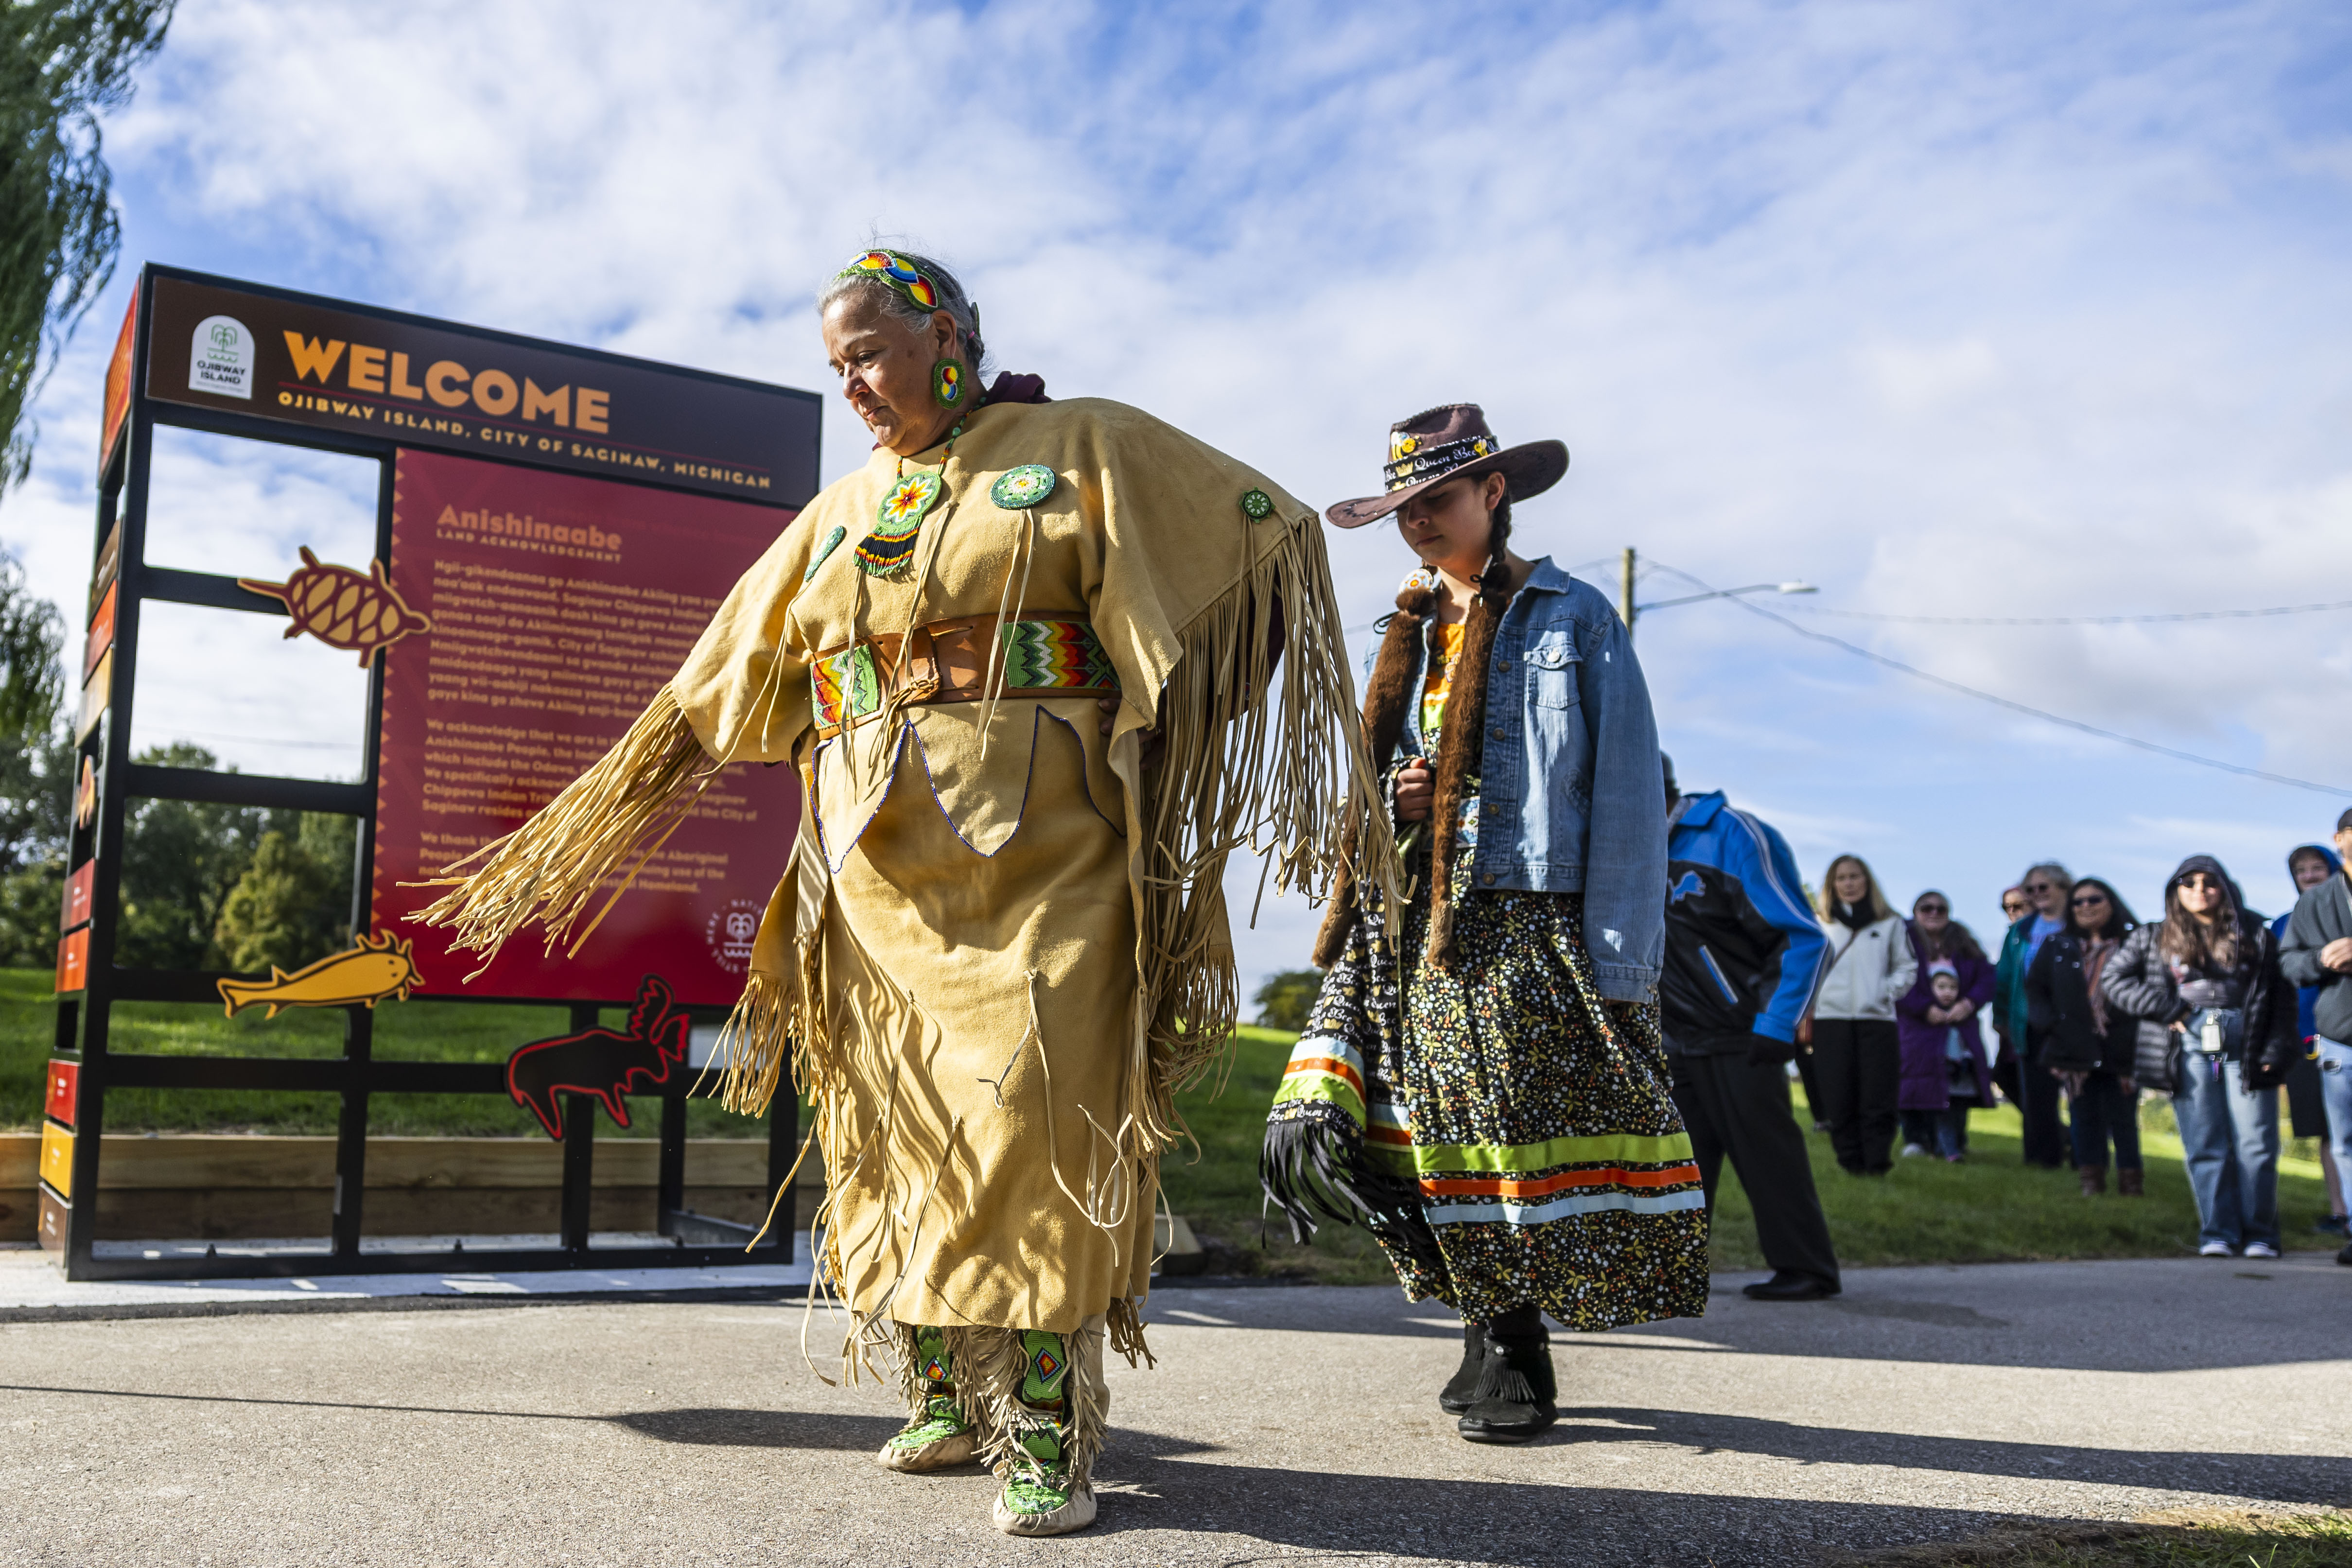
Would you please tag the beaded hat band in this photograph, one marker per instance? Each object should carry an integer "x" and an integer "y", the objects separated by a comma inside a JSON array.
[{"x": 1446, "y": 443}]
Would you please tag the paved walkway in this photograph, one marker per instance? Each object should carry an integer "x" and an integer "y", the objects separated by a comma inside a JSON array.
[
  {"x": 33, "y": 1288},
  {"x": 1298, "y": 1422}
]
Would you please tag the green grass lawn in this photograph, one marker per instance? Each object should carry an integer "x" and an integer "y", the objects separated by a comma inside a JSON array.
[
  {"x": 407, "y": 1031},
  {"x": 1992, "y": 1208},
  {"x": 1926, "y": 1212},
  {"x": 2176, "y": 1538}
]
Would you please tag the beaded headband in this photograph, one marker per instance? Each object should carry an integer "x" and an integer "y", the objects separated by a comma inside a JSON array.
[
  {"x": 898, "y": 272},
  {"x": 911, "y": 283}
]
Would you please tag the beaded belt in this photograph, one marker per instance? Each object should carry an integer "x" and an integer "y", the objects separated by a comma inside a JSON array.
[{"x": 1043, "y": 653}]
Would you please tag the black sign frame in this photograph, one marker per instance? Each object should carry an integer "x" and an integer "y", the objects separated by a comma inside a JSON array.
[{"x": 69, "y": 1224}]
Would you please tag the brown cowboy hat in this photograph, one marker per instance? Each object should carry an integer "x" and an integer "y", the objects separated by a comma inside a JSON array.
[{"x": 1451, "y": 442}]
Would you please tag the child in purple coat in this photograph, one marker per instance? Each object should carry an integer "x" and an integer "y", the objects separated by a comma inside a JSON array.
[{"x": 1945, "y": 1074}]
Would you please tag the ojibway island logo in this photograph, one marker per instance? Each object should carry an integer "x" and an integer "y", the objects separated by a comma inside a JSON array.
[
  {"x": 220, "y": 358},
  {"x": 730, "y": 932}
]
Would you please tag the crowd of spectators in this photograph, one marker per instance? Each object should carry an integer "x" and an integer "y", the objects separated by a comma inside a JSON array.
[{"x": 2092, "y": 1008}]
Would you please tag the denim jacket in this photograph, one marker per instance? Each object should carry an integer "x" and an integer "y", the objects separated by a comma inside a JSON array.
[{"x": 1571, "y": 793}]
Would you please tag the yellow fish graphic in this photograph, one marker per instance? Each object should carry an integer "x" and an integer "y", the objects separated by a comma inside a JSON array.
[{"x": 363, "y": 975}]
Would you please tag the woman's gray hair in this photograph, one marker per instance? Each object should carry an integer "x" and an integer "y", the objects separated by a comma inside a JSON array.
[
  {"x": 899, "y": 308},
  {"x": 2051, "y": 866}
]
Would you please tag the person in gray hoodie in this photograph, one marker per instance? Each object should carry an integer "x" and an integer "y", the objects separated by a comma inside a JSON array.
[{"x": 2317, "y": 953}]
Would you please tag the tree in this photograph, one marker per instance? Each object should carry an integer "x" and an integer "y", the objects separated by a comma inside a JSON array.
[
  {"x": 36, "y": 761},
  {"x": 61, "y": 61},
  {"x": 1285, "y": 999},
  {"x": 36, "y": 753},
  {"x": 278, "y": 913}
]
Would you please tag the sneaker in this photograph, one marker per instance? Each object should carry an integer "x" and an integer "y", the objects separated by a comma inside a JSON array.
[
  {"x": 2215, "y": 1250},
  {"x": 2259, "y": 1249},
  {"x": 2345, "y": 1257},
  {"x": 934, "y": 1440},
  {"x": 2331, "y": 1225},
  {"x": 1915, "y": 1151}
]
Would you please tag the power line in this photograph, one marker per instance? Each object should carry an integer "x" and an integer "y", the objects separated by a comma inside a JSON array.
[
  {"x": 2070, "y": 620},
  {"x": 2043, "y": 714}
]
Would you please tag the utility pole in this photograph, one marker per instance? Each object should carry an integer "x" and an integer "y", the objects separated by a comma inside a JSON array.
[{"x": 1625, "y": 596}]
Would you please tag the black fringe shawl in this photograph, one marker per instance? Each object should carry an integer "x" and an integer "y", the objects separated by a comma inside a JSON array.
[{"x": 1315, "y": 1170}]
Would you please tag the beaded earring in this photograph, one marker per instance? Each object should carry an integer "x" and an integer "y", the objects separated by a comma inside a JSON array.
[{"x": 946, "y": 384}]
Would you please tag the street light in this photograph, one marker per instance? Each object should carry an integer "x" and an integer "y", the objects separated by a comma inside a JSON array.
[{"x": 1629, "y": 609}]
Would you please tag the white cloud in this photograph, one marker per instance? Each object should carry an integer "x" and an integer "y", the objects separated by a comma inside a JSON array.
[{"x": 2030, "y": 310}]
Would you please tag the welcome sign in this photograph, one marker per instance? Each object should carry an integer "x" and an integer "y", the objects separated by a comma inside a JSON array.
[{"x": 386, "y": 376}]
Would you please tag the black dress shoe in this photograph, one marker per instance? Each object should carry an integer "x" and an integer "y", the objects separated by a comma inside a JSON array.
[
  {"x": 1461, "y": 1390},
  {"x": 1788, "y": 1286},
  {"x": 1517, "y": 1391}
]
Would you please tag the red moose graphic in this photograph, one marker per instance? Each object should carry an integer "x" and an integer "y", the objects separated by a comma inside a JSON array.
[{"x": 602, "y": 1062}]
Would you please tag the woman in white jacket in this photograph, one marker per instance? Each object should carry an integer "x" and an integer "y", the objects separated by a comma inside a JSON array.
[{"x": 1857, "y": 1055}]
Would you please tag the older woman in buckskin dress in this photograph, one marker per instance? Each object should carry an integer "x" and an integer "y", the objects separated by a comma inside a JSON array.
[
  {"x": 1024, "y": 662},
  {"x": 1483, "y": 1083}
]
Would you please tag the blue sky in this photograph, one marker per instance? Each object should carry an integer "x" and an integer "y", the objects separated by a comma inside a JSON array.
[{"x": 2004, "y": 310}]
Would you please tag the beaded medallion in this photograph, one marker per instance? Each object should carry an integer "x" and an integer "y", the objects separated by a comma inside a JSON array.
[
  {"x": 897, "y": 520},
  {"x": 1257, "y": 505},
  {"x": 1017, "y": 490}
]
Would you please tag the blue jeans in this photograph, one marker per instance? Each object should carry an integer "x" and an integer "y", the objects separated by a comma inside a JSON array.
[
  {"x": 2102, "y": 1112},
  {"x": 1945, "y": 1131},
  {"x": 2232, "y": 1139},
  {"x": 2336, "y": 1094}
]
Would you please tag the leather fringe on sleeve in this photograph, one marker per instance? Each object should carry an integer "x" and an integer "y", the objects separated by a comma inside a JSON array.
[
  {"x": 1239, "y": 768},
  {"x": 553, "y": 865}
]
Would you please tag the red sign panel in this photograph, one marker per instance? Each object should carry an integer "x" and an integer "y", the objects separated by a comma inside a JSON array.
[
  {"x": 78, "y": 891},
  {"x": 73, "y": 962},
  {"x": 559, "y": 607},
  {"x": 63, "y": 1076},
  {"x": 118, "y": 383},
  {"x": 101, "y": 633}
]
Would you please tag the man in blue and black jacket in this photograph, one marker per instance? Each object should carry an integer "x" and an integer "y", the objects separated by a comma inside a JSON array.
[{"x": 1743, "y": 955}]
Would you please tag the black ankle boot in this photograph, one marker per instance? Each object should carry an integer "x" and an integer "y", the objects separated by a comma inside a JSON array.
[
  {"x": 1517, "y": 1391},
  {"x": 1461, "y": 1390}
]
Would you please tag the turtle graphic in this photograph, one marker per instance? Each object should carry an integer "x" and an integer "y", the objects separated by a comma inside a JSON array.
[{"x": 343, "y": 607}]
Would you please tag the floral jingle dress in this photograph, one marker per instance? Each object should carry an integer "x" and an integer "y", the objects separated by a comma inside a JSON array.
[{"x": 1534, "y": 1117}]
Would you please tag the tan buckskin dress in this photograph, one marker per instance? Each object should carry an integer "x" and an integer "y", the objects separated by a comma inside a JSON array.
[{"x": 1001, "y": 946}]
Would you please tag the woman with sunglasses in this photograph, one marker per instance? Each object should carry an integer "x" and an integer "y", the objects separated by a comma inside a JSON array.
[
  {"x": 1935, "y": 1119},
  {"x": 2035, "y": 1092},
  {"x": 2088, "y": 1045},
  {"x": 2217, "y": 1027}
]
